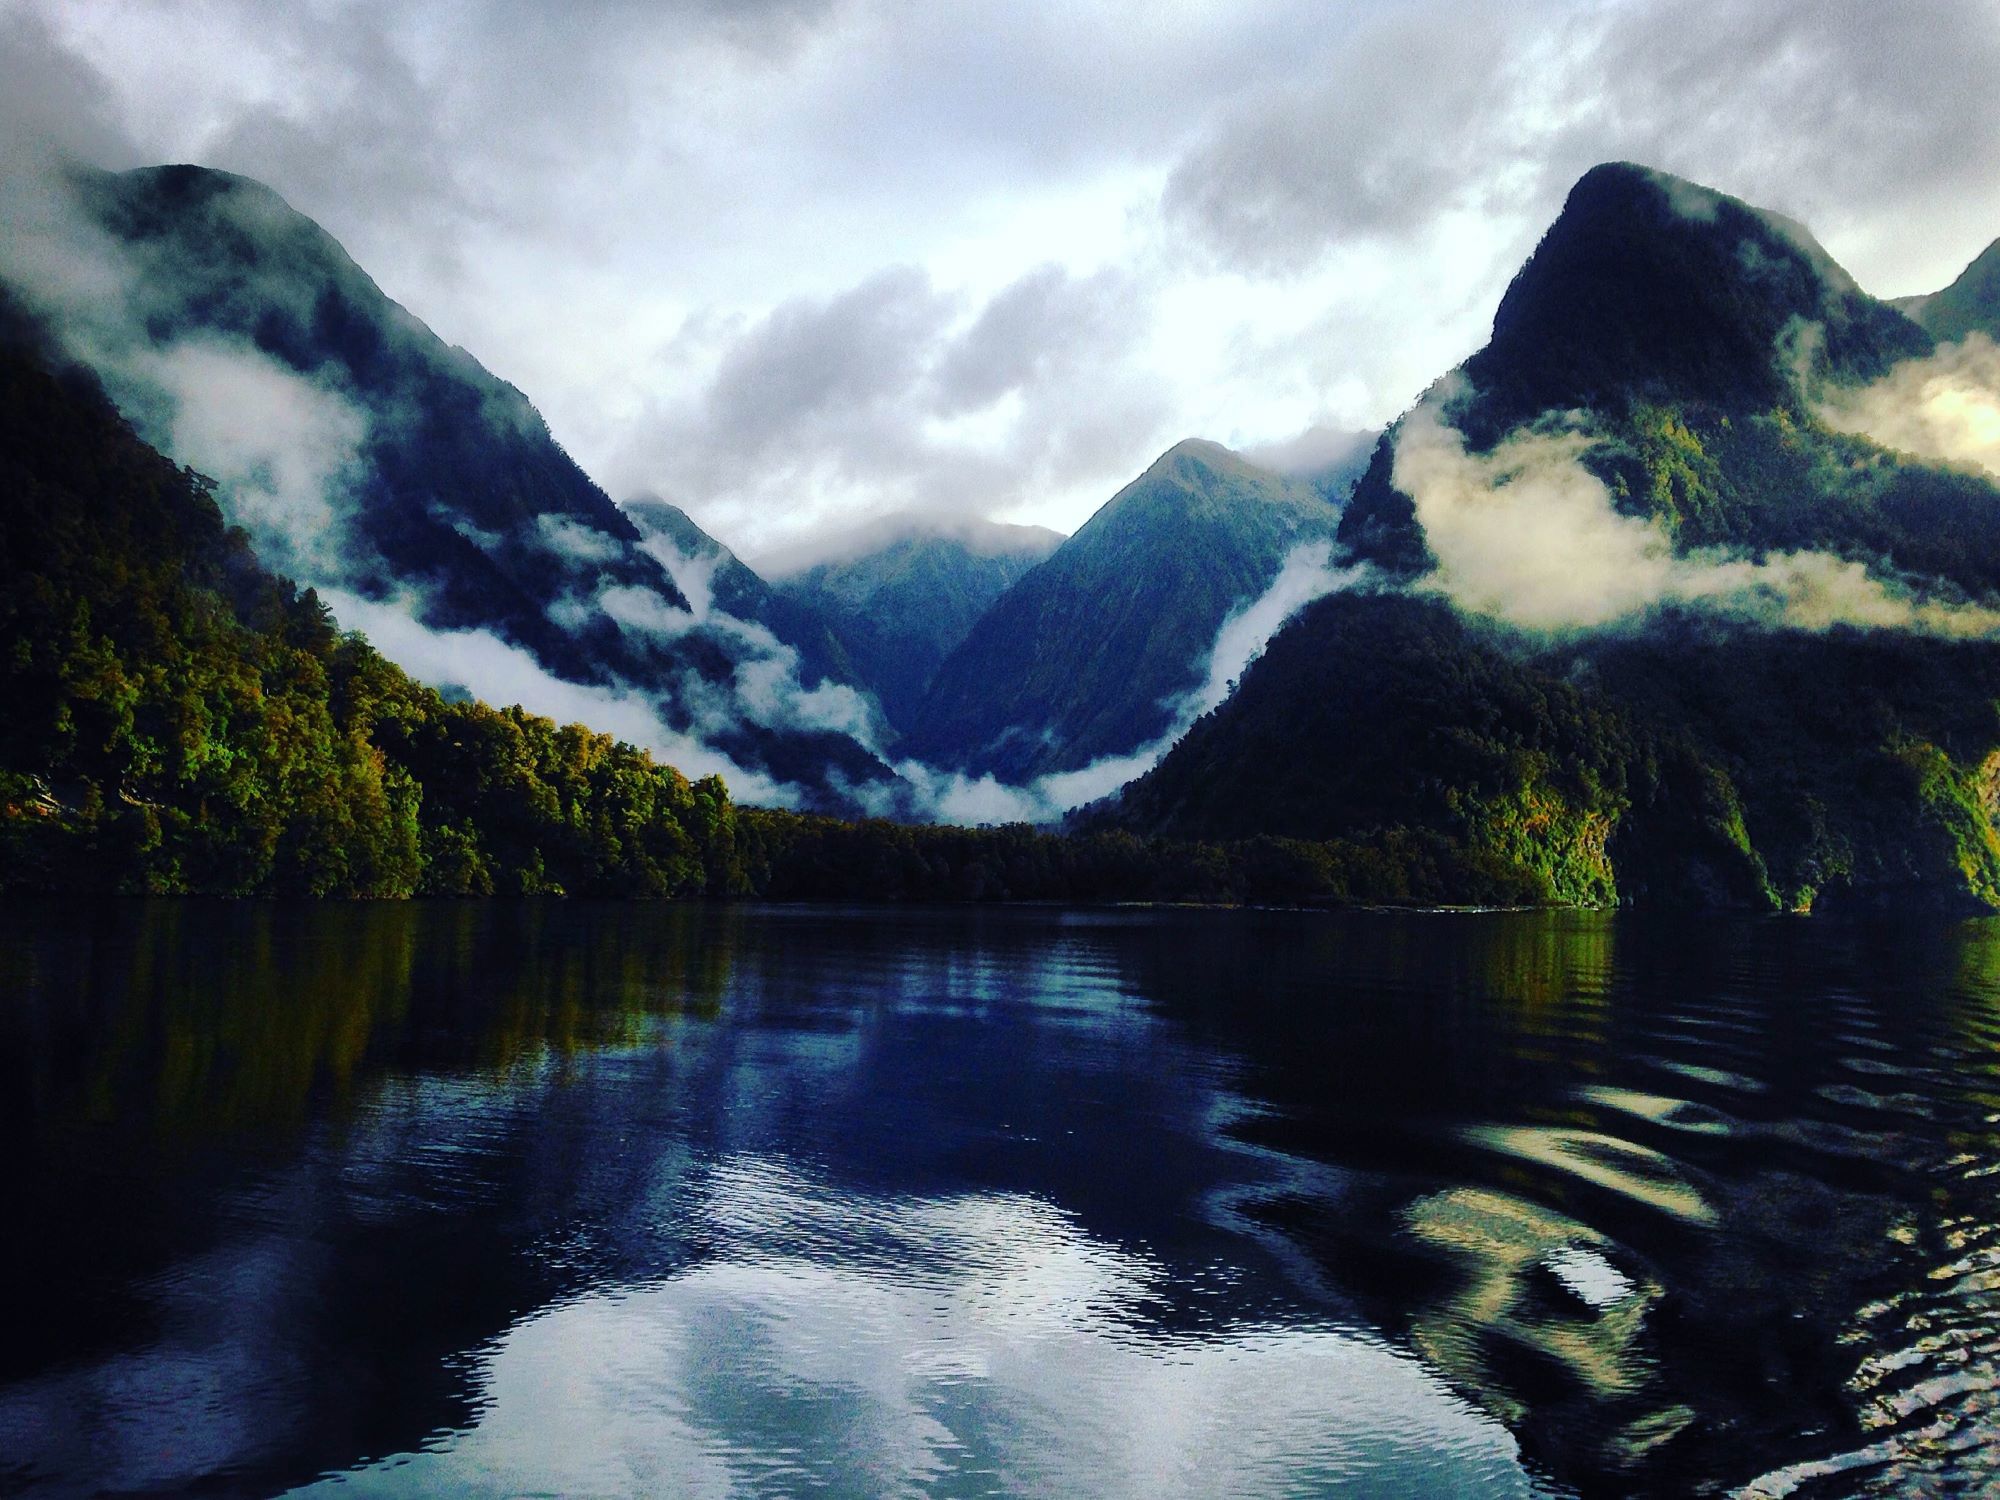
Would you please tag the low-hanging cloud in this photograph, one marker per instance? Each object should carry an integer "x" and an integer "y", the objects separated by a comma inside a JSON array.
[
  {"x": 285, "y": 448},
  {"x": 1945, "y": 408},
  {"x": 1528, "y": 535},
  {"x": 500, "y": 672},
  {"x": 1305, "y": 575},
  {"x": 767, "y": 685}
]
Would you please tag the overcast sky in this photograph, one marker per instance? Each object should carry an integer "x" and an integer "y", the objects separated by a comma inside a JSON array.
[{"x": 794, "y": 262}]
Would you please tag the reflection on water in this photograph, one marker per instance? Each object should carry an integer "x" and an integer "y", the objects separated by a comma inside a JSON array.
[{"x": 500, "y": 1198}]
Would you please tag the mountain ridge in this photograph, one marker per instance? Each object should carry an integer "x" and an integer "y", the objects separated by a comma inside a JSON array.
[
  {"x": 1685, "y": 754},
  {"x": 1083, "y": 656}
]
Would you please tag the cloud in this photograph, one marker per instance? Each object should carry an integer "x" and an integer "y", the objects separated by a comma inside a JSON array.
[
  {"x": 1528, "y": 535},
  {"x": 765, "y": 686},
  {"x": 1375, "y": 145},
  {"x": 953, "y": 797},
  {"x": 576, "y": 541},
  {"x": 285, "y": 448},
  {"x": 1445, "y": 107},
  {"x": 894, "y": 396},
  {"x": 55, "y": 104},
  {"x": 503, "y": 674},
  {"x": 1945, "y": 408},
  {"x": 1046, "y": 323}
]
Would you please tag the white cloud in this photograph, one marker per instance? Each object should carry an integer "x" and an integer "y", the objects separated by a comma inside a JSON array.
[
  {"x": 953, "y": 797},
  {"x": 285, "y": 448},
  {"x": 503, "y": 675},
  {"x": 1944, "y": 408},
  {"x": 1530, "y": 536},
  {"x": 1251, "y": 218},
  {"x": 574, "y": 540}
]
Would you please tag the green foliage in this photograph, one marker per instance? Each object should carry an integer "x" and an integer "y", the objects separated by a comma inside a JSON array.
[{"x": 179, "y": 720}]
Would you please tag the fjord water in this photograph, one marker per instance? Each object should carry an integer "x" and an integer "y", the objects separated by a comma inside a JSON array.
[{"x": 544, "y": 1198}]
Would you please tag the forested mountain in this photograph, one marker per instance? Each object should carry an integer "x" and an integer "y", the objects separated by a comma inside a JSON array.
[
  {"x": 396, "y": 466},
  {"x": 901, "y": 608},
  {"x": 181, "y": 719},
  {"x": 1797, "y": 703},
  {"x": 1695, "y": 332},
  {"x": 1668, "y": 594},
  {"x": 1083, "y": 657}
]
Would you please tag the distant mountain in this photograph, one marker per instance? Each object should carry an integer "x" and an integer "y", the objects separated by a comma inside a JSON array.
[
  {"x": 1083, "y": 657},
  {"x": 1970, "y": 304},
  {"x": 441, "y": 486},
  {"x": 901, "y": 608},
  {"x": 1685, "y": 345}
]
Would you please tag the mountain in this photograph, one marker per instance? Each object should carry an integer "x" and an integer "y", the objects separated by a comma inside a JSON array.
[
  {"x": 1696, "y": 333},
  {"x": 901, "y": 608},
  {"x": 1083, "y": 657},
  {"x": 181, "y": 720},
  {"x": 1970, "y": 304},
  {"x": 714, "y": 579},
  {"x": 1799, "y": 713},
  {"x": 366, "y": 455},
  {"x": 1687, "y": 765}
]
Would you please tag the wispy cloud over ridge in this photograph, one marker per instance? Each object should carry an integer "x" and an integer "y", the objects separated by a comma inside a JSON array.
[{"x": 1529, "y": 535}]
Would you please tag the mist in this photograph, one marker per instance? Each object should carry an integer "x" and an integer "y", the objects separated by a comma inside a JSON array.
[
  {"x": 953, "y": 797},
  {"x": 501, "y": 673},
  {"x": 1945, "y": 408},
  {"x": 1528, "y": 535}
]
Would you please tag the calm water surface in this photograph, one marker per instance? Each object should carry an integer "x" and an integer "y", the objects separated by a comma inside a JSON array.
[{"x": 535, "y": 1198}]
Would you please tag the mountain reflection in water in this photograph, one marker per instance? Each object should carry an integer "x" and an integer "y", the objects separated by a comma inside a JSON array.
[{"x": 503, "y": 1198}]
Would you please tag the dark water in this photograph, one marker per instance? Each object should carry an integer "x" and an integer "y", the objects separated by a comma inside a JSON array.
[{"x": 560, "y": 1199}]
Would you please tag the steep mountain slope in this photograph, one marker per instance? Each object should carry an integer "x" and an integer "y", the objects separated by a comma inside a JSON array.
[
  {"x": 181, "y": 720},
  {"x": 1083, "y": 657},
  {"x": 1695, "y": 336},
  {"x": 365, "y": 455},
  {"x": 1971, "y": 304},
  {"x": 1688, "y": 765},
  {"x": 457, "y": 488},
  {"x": 1800, "y": 705},
  {"x": 901, "y": 608},
  {"x": 714, "y": 579}
]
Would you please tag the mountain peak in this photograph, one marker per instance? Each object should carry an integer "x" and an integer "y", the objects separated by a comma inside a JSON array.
[
  {"x": 1203, "y": 454},
  {"x": 1648, "y": 285}
]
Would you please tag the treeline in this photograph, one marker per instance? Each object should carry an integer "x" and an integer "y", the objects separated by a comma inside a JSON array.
[{"x": 792, "y": 856}]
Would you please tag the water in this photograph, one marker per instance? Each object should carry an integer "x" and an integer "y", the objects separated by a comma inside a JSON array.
[{"x": 535, "y": 1198}]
